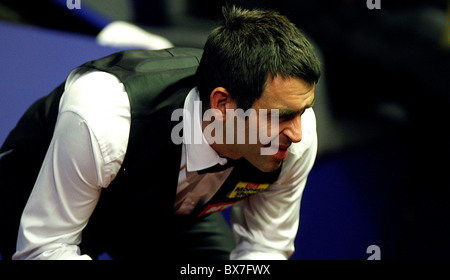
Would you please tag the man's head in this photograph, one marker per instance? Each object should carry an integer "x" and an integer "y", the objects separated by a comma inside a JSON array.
[
  {"x": 251, "y": 45},
  {"x": 258, "y": 60}
]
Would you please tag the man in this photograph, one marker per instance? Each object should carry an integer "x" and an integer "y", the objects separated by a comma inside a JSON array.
[{"x": 115, "y": 179}]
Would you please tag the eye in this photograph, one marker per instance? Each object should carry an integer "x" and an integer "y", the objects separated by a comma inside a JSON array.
[
  {"x": 303, "y": 111},
  {"x": 285, "y": 118}
]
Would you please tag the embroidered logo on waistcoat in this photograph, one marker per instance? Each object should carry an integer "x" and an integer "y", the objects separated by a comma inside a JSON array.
[
  {"x": 244, "y": 189},
  {"x": 240, "y": 191},
  {"x": 213, "y": 208}
]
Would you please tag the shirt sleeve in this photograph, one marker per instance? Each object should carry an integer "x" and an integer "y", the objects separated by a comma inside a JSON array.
[
  {"x": 83, "y": 157},
  {"x": 265, "y": 225}
]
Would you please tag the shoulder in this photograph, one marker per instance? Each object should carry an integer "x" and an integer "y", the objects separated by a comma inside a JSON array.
[
  {"x": 101, "y": 100},
  {"x": 88, "y": 88}
]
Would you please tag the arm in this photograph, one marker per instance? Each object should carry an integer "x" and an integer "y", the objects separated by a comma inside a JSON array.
[
  {"x": 80, "y": 161},
  {"x": 265, "y": 225}
]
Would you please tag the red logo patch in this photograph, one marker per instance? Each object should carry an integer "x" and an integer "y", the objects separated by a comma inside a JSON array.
[{"x": 213, "y": 208}]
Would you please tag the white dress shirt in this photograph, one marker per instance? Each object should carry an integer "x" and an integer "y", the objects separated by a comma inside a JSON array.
[{"x": 87, "y": 150}]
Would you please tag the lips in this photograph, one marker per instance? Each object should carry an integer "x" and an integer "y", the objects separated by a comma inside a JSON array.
[
  {"x": 280, "y": 152},
  {"x": 279, "y": 147},
  {"x": 283, "y": 147}
]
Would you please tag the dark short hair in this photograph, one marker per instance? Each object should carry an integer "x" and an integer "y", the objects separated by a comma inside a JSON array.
[{"x": 249, "y": 45}]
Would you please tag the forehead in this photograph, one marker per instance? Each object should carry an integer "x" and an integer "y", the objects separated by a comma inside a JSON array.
[{"x": 286, "y": 93}]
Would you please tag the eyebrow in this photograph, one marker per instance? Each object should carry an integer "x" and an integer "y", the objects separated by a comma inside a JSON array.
[
  {"x": 312, "y": 103},
  {"x": 288, "y": 112}
]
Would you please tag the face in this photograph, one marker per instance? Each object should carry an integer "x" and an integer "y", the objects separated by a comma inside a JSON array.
[{"x": 290, "y": 97}]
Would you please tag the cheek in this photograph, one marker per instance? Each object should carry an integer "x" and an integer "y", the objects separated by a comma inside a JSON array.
[{"x": 261, "y": 128}]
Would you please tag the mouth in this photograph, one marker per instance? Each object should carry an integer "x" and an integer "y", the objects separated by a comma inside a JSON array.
[
  {"x": 280, "y": 152},
  {"x": 283, "y": 147}
]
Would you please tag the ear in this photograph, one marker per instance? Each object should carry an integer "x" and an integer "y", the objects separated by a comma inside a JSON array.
[{"x": 221, "y": 100}]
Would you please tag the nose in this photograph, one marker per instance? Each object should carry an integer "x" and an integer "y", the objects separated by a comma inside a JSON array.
[{"x": 293, "y": 129}]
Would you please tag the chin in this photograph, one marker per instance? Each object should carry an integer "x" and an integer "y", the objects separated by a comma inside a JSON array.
[{"x": 269, "y": 166}]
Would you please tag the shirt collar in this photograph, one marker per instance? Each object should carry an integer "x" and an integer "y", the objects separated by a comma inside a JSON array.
[{"x": 199, "y": 154}]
